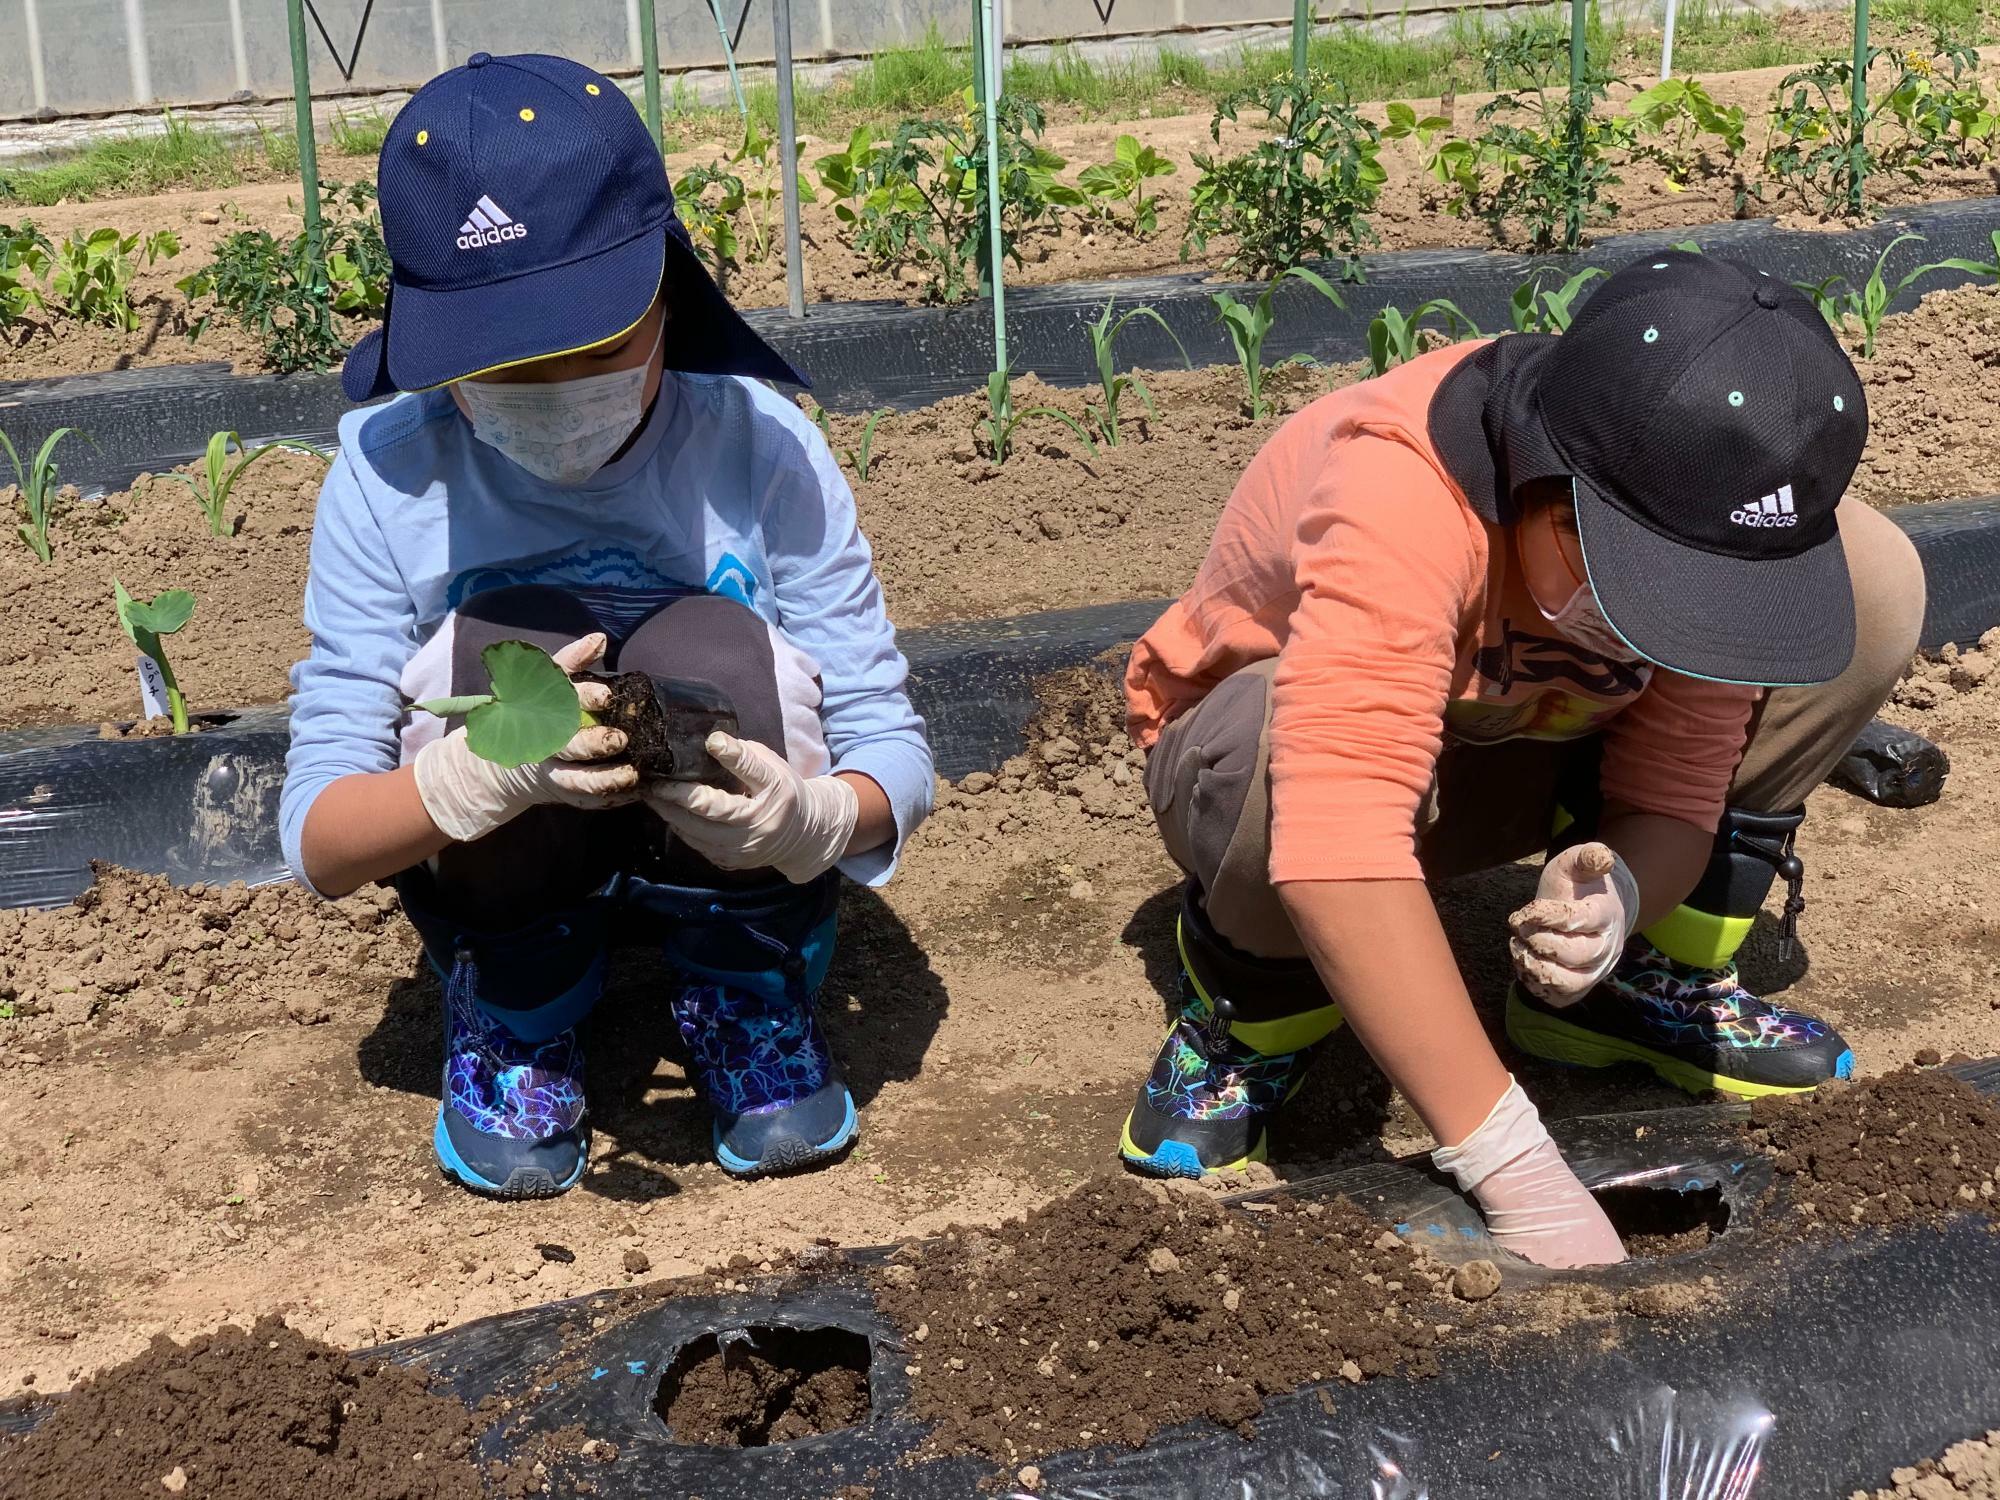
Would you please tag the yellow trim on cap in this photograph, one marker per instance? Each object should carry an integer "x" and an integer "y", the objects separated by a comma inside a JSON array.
[{"x": 553, "y": 353}]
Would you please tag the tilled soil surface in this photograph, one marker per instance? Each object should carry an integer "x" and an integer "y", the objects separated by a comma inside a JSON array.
[
  {"x": 1407, "y": 216},
  {"x": 1042, "y": 1334},
  {"x": 1968, "y": 1471},
  {"x": 248, "y": 1415},
  {"x": 773, "y": 1385},
  {"x": 1909, "y": 1147}
]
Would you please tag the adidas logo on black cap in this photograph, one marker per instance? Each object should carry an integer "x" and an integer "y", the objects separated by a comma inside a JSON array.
[
  {"x": 488, "y": 224},
  {"x": 1772, "y": 510}
]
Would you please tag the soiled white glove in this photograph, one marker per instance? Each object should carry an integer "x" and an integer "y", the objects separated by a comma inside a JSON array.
[
  {"x": 1570, "y": 936},
  {"x": 468, "y": 797},
  {"x": 796, "y": 825},
  {"x": 1533, "y": 1203}
]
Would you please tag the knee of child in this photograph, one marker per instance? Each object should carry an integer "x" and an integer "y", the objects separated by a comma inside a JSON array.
[{"x": 1888, "y": 579}]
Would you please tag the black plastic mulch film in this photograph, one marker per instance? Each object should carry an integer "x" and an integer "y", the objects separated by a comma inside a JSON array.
[{"x": 1836, "y": 1362}]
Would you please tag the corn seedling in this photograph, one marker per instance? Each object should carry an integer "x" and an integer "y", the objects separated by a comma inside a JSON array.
[
  {"x": 1988, "y": 270},
  {"x": 144, "y": 622},
  {"x": 1867, "y": 303},
  {"x": 1123, "y": 179},
  {"x": 1103, "y": 337},
  {"x": 1002, "y": 420},
  {"x": 860, "y": 457},
  {"x": 1540, "y": 309},
  {"x": 1250, "y": 323},
  {"x": 37, "y": 484},
  {"x": 1394, "y": 338},
  {"x": 218, "y": 477},
  {"x": 530, "y": 714}
]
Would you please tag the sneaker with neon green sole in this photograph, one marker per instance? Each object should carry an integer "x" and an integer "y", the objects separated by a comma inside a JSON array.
[{"x": 1698, "y": 1029}]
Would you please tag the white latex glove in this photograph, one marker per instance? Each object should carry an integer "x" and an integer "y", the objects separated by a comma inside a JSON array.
[
  {"x": 796, "y": 825},
  {"x": 1570, "y": 936},
  {"x": 1533, "y": 1204},
  {"x": 468, "y": 797}
]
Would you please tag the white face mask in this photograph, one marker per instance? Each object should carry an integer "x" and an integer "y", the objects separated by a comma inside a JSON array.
[
  {"x": 1582, "y": 622},
  {"x": 561, "y": 431}
]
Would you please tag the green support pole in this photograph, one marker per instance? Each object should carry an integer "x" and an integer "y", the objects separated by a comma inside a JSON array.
[
  {"x": 1579, "y": 112},
  {"x": 729, "y": 56},
  {"x": 980, "y": 95},
  {"x": 649, "y": 62},
  {"x": 984, "y": 39},
  {"x": 302, "y": 99},
  {"x": 1302, "y": 30},
  {"x": 1858, "y": 110}
]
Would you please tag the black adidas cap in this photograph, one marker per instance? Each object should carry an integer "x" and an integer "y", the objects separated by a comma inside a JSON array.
[{"x": 1711, "y": 423}]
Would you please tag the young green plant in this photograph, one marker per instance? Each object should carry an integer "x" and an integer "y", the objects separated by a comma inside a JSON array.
[
  {"x": 1867, "y": 303},
  {"x": 531, "y": 712},
  {"x": 211, "y": 487},
  {"x": 1250, "y": 323},
  {"x": 37, "y": 483},
  {"x": 92, "y": 274},
  {"x": 1103, "y": 339},
  {"x": 1540, "y": 309},
  {"x": 145, "y": 622},
  {"x": 860, "y": 457},
  {"x": 24, "y": 253},
  {"x": 1394, "y": 338},
  {"x": 1001, "y": 420},
  {"x": 1123, "y": 179}
]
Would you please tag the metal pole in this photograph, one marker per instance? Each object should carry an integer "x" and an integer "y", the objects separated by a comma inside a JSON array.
[
  {"x": 1667, "y": 43},
  {"x": 649, "y": 65},
  {"x": 1858, "y": 109},
  {"x": 1579, "y": 112},
  {"x": 302, "y": 99},
  {"x": 788, "y": 159},
  {"x": 1302, "y": 29},
  {"x": 729, "y": 56},
  {"x": 985, "y": 40}
]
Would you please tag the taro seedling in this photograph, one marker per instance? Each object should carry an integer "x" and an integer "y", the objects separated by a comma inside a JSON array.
[
  {"x": 37, "y": 483},
  {"x": 1395, "y": 338},
  {"x": 1249, "y": 324},
  {"x": 211, "y": 487},
  {"x": 860, "y": 457},
  {"x": 91, "y": 275},
  {"x": 1867, "y": 303},
  {"x": 1123, "y": 180},
  {"x": 1103, "y": 337},
  {"x": 1540, "y": 309},
  {"x": 145, "y": 622},
  {"x": 1001, "y": 420}
]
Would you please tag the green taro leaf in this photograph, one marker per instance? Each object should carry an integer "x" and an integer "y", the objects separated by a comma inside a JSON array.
[
  {"x": 164, "y": 614},
  {"x": 534, "y": 711}
]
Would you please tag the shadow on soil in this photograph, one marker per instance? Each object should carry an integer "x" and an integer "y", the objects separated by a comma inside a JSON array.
[{"x": 881, "y": 1006}]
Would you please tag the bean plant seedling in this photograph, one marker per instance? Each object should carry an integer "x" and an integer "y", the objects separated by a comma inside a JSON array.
[
  {"x": 1394, "y": 338},
  {"x": 1685, "y": 123},
  {"x": 91, "y": 275},
  {"x": 1249, "y": 325},
  {"x": 144, "y": 622},
  {"x": 860, "y": 457},
  {"x": 530, "y": 714},
  {"x": 1540, "y": 309},
  {"x": 1867, "y": 303},
  {"x": 1001, "y": 420},
  {"x": 218, "y": 477},
  {"x": 1103, "y": 337},
  {"x": 24, "y": 252},
  {"x": 1123, "y": 179},
  {"x": 37, "y": 484}
]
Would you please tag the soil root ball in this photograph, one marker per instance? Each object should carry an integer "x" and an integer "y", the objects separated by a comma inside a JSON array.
[{"x": 1476, "y": 1280}]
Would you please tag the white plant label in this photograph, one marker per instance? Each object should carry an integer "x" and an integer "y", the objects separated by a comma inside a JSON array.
[{"x": 152, "y": 688}]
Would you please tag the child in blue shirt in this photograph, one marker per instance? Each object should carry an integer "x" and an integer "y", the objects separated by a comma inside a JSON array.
[{"x": 585, "y": 460}]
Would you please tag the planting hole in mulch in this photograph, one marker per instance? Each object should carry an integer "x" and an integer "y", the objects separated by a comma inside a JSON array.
[
  {"x": 753, "y": 1387},
  {"x": 1656, "y": 1222}
]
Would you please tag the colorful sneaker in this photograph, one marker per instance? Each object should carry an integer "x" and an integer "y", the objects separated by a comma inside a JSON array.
[
  {"x": 780, "y": 1103},
  {"x": 511, "y": 1122},
  {"x": 1698, "y": 1029},
  {"x": 1205, "y": 1105}
]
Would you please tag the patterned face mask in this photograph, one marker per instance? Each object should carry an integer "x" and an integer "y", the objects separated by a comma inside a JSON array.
[
  {"x": 561, "y": 431},
  {"x": 1582, "y": 622}
]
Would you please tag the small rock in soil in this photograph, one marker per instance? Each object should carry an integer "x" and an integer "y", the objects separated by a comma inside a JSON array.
[
  {"x": 637, "y": 1262},
  {"x": 1476, "y": 1280},
  {"x": 560, "y": 1255},
  {"x": 1928, "y": 1057}
]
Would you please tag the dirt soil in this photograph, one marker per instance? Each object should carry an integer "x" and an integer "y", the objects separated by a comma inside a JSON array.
[
  {"x": 246, "y": 1415},
  {"x": 775, "y": 1385},
  {"x": 1967, "y": 1471},
  {"x": 1408, "y": 216},
  {"x": 1034, "y": 1336},
  {"x": 1907, "y": 1148}
]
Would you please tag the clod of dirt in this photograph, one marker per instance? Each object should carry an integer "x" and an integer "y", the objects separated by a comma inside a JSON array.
[
  {"x": 1970, "y": 1468},
  {"x": 637, "y": 1263},
  {"x": 1928, "y": 1057},
  {"x": 1476, "y": 1280},
  {"x": 1937, "y": 676},
  {"x": 1673, "y": 1299},
  {"x": 1905, "y": 1148},
  {"x": 758, "y": 1386},
  {"x": 1039, "y": 1332},
  {"x": 245, "y": 1416}
]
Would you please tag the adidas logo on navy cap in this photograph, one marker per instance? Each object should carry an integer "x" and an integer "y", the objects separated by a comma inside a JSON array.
[{"x": 488, "y": 224}]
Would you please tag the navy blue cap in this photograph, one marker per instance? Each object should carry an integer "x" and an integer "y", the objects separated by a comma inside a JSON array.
[{"x": 527, "y": 213}]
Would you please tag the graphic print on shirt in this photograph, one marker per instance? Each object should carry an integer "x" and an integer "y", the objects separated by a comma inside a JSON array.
[{"x": 1524, "y": 689}]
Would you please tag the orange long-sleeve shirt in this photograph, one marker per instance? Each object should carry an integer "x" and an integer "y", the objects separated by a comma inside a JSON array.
[{"x": 1398, "y": 616}]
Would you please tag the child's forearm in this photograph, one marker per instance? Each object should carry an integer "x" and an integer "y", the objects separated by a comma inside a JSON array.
[
  {"x": 1380, "y": 949},
  {"x": 876, "y": 824},
  {"x": 367, "y": 827},
  {"x": 1665, "y": 855}
]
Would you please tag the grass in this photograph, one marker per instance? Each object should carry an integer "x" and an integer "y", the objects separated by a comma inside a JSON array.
[{"x": 182, "y": 155}]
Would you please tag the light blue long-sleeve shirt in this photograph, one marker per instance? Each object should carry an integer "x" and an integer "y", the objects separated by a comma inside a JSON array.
[{"x": 728, "y": 487}]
